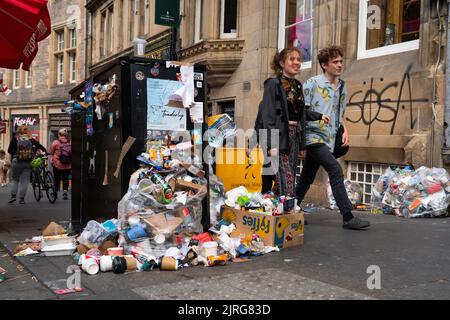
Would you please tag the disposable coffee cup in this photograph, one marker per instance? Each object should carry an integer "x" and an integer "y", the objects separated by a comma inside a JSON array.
[
  {"x": 169, "y": 264},
  {"x": 106, "y": 263},
  {"x": 131, "y": 263},
  {"x": 90, "y": 266}
]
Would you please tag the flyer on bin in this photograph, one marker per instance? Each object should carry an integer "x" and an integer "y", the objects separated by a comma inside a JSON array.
[{"x": 160, "y": 116}]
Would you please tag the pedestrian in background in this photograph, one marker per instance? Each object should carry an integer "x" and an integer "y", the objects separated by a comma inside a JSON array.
[
  {"x": 61, "y": 150},
  {"x": 284, "y": 116},
  {"x": 5, "y": 165},
  {"x": 22, "y": 149}
]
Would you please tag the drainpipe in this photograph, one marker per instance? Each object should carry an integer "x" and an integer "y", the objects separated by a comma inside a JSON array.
[{"x": 446, "y": 148}]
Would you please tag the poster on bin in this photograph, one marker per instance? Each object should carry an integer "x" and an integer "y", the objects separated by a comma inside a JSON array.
[{"x": 159, "y": 115}]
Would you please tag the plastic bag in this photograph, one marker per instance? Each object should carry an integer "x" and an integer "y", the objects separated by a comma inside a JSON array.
[
  {"x": 94, "y": 234},
  {"x": 414, "y": 194},
  {"x": 354, "y": 193},
  {"x": 216, "y": 198}
]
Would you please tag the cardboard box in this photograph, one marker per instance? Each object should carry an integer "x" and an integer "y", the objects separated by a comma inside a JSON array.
[
  {"x": 182, "y": 185},
  {"x": 275, "y": 231}
]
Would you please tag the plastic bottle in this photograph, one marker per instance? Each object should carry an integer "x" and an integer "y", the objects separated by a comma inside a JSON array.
[{"x": 157, "y": 179}]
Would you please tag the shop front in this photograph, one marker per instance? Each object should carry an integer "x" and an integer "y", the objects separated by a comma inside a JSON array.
[{"x": 31, "y": 121}]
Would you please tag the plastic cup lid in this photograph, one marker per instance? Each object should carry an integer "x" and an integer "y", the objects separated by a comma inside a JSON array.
[{"x": 160, "y": 239}]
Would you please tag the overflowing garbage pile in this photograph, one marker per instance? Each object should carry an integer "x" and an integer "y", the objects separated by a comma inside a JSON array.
[
  {"x": 354, "y": 192},
  {"x": 407, "y": 193}
]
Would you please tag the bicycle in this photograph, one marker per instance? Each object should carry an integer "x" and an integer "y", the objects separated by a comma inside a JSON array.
[{"x": 42, "y": 179}]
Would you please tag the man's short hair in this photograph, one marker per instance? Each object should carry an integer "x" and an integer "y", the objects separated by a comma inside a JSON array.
[{"x": 329, "y": 53}]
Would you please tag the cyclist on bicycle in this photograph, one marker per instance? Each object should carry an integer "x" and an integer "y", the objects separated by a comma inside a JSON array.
[{"x": 22, "y": 149}]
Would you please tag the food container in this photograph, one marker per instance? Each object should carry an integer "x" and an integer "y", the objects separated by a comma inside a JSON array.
[
  {"x": 57, "y": 240},
  {"x": 210, "y": 249},
  {"x": 58, "y": 250}
]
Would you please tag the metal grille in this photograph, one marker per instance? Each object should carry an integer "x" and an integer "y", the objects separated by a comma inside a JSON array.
[{"x": 366, "y": 174}]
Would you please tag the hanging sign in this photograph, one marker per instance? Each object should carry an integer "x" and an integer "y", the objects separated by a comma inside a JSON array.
[{"x": 167, "y": 13}]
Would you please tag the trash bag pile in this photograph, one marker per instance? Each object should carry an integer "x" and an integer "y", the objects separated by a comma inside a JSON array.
[
  {"x": 159, "y": 222},
  {"x": 423, "y": 193},
  {"x": 354, "y": 192}
]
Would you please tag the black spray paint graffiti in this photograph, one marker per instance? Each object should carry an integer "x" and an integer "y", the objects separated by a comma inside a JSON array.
[{"x": 372, "y": 109}]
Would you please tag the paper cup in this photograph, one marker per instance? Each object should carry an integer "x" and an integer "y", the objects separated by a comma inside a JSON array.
[
  {"x": 90, "y": 266},
  {"x": 106, "y": 263},
  {"x": 115, "y": 251},
  {"x": 131, "y": 263},
  {"x": 169, "y": 264}
]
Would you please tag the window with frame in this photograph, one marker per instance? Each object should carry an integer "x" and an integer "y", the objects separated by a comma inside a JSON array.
[
  {"x": 228, "y": 21},
  {"x": 198, "y": 28},
  {"x": 60, "y": 40},
  {"x": 132, "y": 19},
  {"x": 110, "y": 30},
  {"x": 388, "y": 27},
  {"x": 73, "y": 67},
  {"x": 28, "y": 79},
  {"x": 146, "y": 16},
  {"x": 60, "y": 69},
  {"x": 296, "y": 27},
  {"x": 103, "y": 35},
  {"x": 16, "y": 79},
  {"x": 73, "y": 38}
]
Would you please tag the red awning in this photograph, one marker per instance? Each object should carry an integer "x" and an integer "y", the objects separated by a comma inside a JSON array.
[{"x": 24, "y": 24}]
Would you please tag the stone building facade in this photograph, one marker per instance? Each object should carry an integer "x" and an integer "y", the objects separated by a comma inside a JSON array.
[
  {"x": 394, "y": 59},
  {"x": 38, "y": 97}
]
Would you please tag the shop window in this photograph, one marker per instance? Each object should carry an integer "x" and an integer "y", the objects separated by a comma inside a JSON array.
[
  {"x": 228, "y": 21},
  {"x": 227, "y": 107},
  {"x": 198, "y": 34},
  {"x": 366, "y": 174},
  {"x": 296, "y": 27},
  {"x": 210, "y": 109},
  {"x": 388, "y": 27}
]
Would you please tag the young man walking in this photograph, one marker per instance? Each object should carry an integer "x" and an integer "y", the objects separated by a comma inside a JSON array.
[{"x": 326, "y": 94}]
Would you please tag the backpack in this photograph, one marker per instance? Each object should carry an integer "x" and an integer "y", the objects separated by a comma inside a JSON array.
[
  {"x": 24, "y": 149},
  {"x": 66, "y": 153}
]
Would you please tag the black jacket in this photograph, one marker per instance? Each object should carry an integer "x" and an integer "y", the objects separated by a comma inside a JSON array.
[
  {"x": 274, "y": 115},
  {"x": 12, "y": 149}
]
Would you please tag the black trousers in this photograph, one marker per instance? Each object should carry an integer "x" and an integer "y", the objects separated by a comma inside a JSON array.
[
  {"x": 317, "y": 156},
  {"x": 267, "y": 183},
  {"x": 61, "y": 175}
]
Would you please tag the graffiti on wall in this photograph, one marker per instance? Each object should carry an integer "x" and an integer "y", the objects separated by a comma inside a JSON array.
[{"x": 376, "y": 106}]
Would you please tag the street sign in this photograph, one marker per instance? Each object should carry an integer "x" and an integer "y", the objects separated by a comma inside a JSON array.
[
  {"x": 3, "y": 125},
  {"x": 167, "y": 13}
]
